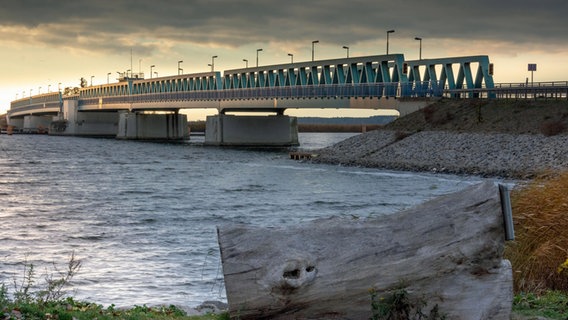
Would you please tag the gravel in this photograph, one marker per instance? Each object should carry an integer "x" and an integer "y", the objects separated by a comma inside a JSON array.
[{"x": 517, "y": 156}]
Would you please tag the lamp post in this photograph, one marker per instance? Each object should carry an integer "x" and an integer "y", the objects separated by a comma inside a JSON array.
[
  {"x": 257, "y": 51},
  {"x": 128, "y": 71},
  {"x": 156, "y": 73},
  {"x": 246, "y": 63},
  {"x": 346, "y": 48},
  {"x": 179, "y": 69},
  {"x": 59, "y": 86},
  {"x": 419, "y": 52},
  {"x": 39, "y": 90},
  {"x": 108, "y": 77},
  {"x": 151, "y": 67},
  {"x": 213, "y": 63},
  {"x": 313, "y": 46},
  {"x": 291, "y": 57},
  {"x": 48, "y": 88},
  {"x": 92, "y": 80},
  {"x": 388, "y": 32}
]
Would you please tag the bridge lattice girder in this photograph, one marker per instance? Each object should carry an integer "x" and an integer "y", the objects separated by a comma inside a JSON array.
[
  {"x": 446, "y": 78},
  {"x": 371, "y": 69},
  {"x": 384, "y": 74}
]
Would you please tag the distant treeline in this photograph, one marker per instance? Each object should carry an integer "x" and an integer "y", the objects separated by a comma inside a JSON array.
[
  {"x": 374, "y": 120},
  {"x": 316, "y": 124},
  {"x": 3, "y": 121},
  {"x": 337, "y": 127},
  {"x": 199, "y": 126}
]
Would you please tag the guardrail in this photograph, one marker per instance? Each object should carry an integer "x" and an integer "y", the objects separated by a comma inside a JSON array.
[
  {"x": 366, "y": 90},
  {"x": 555, "y": 90}
]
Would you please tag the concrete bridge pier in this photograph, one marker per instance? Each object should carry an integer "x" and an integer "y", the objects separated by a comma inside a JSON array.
[
  {"x": 152, "y": 126},
  {"x": 36, "y": 124},
  {"x": 72, "y": 122},
  {"x": 265, "y": 131}
]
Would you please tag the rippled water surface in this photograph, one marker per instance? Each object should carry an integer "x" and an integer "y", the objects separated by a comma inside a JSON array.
[{"x": 141, "y": 216}]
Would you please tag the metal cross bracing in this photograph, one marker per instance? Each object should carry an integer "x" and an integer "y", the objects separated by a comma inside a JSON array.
[
  {"x": 434, "y": 77},
  {"x": 376, "y": 76},
  {"x": 372, "y": 76}
]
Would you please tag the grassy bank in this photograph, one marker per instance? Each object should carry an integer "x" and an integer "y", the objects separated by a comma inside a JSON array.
[
  {"x": 69, "y": 309},
  {"x": 482, "y": 115},
  {"x": 539, "y": 254}
]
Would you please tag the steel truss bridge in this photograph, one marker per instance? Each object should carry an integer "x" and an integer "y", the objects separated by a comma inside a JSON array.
[{"x": 277, "y": 87}]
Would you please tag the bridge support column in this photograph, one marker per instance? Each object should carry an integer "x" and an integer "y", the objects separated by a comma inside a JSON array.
[
  {"x": 36, "y": 124},
  {"x": 72, "y": 122},
  {"x": 16, "y": 123},
  {"x": 265, "y": 131},
  {"x": 148, "y": 126}
]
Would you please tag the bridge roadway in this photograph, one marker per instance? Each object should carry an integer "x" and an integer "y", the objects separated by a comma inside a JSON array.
[{"x": 358, "y": 82}]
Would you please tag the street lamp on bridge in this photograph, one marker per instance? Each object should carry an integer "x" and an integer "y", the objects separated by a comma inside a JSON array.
[
  {"x": 48, "y": 88},
  {"x": 39, "y": 90},
  {"x": 419, "y": 52},
  {"x": 246, "y": 63},
  {"x": 388, "y": 33},
  {"x": 179, "y": 69},
  {"x": 313, "y": 46},
  {"x": 92, "y": 80},
  {"x": 151, "y": 67},
  {"x": 213, "y": 63},
  {"x": 257, "y": 51},
  {"x": 346, "y": 48},
  {"x": 108, "y": 77},
  {"x": 291, "y": 57}
]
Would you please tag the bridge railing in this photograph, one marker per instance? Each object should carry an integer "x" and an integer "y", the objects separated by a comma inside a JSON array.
[
  {"x": 539, "y": 90},
  {"x": 361, "y": 90},
  {"x": 40, "y": 99}
]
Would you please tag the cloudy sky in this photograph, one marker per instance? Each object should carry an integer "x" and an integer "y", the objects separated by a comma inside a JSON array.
[{"x": 47, "y": 42}]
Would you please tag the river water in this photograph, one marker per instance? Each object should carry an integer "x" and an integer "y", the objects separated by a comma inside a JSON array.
[{"x": 142, "y": 216}]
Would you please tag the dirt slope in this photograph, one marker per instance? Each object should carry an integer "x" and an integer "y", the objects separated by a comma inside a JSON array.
[{"x": 505, "y": 116}]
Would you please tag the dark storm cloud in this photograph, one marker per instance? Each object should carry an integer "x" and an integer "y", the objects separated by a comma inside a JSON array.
[{"x": 115, "y": 25}]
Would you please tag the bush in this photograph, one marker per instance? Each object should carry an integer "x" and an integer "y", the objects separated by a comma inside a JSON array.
[
  {"x": 33, "y": 301},
  {"x": 398, "y": 305},
  {"x": 428, "y": 112},
  {"x": 552, "y": 127},
  {"x": 540, "y": 251}
]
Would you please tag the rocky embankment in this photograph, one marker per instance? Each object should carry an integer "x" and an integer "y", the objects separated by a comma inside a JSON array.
[{"x": 512, "y": 139}]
